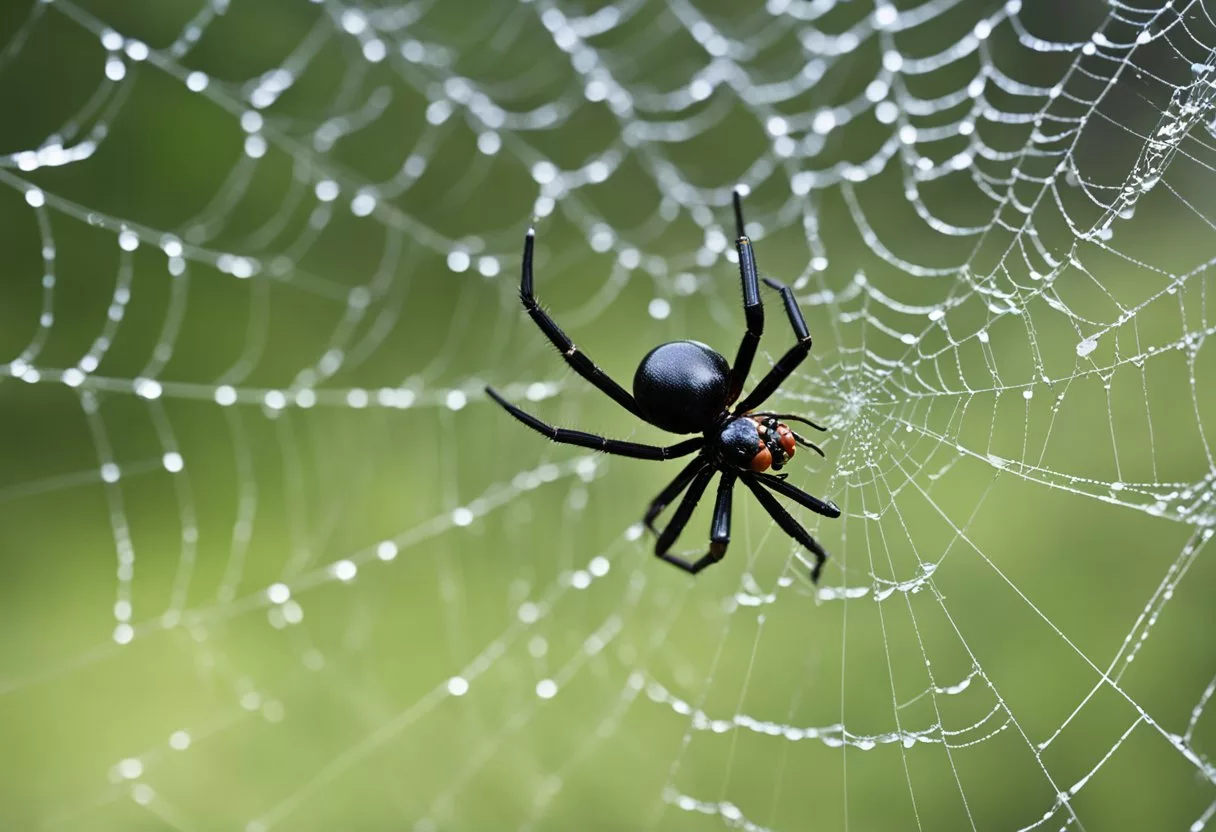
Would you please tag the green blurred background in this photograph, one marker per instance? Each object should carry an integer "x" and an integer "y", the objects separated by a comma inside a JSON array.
[{"x": 271, "y": 560}]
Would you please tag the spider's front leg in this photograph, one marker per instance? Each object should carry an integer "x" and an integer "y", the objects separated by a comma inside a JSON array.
[
  {"x": 786, "y": 521},
  {"x": 719, "y": 528},
  {"x": 827, "y": 508}
]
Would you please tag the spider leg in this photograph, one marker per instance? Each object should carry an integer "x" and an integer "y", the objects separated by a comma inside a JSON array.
[
  {"x": 806, "y": 443},
  {"x": 791, "y": 417},
  {"x": 577, "y": 360},
  {"x": 636, "y": 450},
  {"x": 788, "y": 362},
  {"x": 671, "y": 491},
  {"x": 825, "y": 507},
  {"x": 719, "y": 529},
  {"x": 788, "y": 524},
  {"x": 753, "y": 307}
]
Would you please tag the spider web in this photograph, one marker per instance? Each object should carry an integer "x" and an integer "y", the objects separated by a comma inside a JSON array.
[{"x": 272, "y": 560}]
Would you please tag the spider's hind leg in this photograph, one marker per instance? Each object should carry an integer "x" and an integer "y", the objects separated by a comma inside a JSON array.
[
  {"x": 572, "y": 355},
  {"x": 753, "y": 306},
  {"x": 792, "y": 310},
  {"x": 788, "y": 362},
  {"x": 595, "y": 442}
]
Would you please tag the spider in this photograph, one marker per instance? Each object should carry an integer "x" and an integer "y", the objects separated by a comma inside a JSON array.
[{"x": 686, "y": 387}]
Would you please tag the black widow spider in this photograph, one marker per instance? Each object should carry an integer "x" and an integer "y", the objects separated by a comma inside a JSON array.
[{"x": 686, "y": 387}]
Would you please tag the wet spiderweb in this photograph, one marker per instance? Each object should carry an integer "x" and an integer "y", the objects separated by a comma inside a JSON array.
[{"x": 273, "y": 561}]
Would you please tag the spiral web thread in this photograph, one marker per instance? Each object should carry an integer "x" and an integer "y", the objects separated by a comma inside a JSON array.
[{"x": 1028, "y": 252}]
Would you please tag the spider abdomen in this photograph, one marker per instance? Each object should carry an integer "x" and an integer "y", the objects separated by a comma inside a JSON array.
[{"x": 682, "y": 386}]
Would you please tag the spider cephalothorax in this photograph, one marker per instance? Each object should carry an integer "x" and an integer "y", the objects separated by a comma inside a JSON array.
[{"x": 686, "y": 387}]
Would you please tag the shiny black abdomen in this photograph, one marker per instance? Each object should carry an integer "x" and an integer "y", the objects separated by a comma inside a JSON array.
[{"x": 682, "y": 386}]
